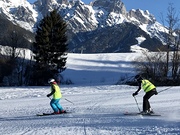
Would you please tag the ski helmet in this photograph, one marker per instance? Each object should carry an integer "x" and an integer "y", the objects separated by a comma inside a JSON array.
[{"x": 51, "y": 80}]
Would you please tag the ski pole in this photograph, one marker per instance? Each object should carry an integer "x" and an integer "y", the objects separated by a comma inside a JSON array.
[
  {"x": 66, "y": 100},
  {"x": 69, "y": 101},
  {"x": 137, "y": 104},
  {"x": 165, "y": 89}
]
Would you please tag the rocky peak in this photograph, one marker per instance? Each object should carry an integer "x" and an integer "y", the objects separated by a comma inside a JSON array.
[
  {"x": 62, "y": 1},
  {"x": 44, "y": 6},
  {"x": 24, "y": 14},
  {"x": 111, "y": 5},
  {"x": 142, "y": 16}
]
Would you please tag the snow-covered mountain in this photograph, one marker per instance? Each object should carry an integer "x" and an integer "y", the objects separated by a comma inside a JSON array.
[{"x": 94, "y": 26}]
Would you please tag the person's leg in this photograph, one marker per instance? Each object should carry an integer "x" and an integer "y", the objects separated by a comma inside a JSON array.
[
  {"x": 147, "y": 96},
  {"x": 58, "y": 105},
  {"x": 145, "y": 103},
  {"x": 54, "y": 106}
]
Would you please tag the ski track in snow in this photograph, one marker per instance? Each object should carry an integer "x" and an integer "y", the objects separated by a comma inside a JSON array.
[{"x": 97, "y": 110}]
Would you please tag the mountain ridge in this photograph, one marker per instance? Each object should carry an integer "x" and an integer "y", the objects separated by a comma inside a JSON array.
[{"x": 87, "y": 23}]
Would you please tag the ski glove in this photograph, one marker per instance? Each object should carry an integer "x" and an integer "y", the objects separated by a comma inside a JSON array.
[
  {"x": 156, "y": 92},
  {"x": 134, "y": 94},
  {"x": 48, "y": 95}
]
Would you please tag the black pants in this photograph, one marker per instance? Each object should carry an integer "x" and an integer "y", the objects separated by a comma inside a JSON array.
[{"x": 146, "y": 104}]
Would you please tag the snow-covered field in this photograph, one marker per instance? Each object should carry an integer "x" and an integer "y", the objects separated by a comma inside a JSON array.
[{"x": 97, "y": 106}]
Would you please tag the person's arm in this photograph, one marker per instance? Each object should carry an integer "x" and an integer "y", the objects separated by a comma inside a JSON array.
[
  {"x": 52, "y": 92},
  {"x": 136, "y": 93}
]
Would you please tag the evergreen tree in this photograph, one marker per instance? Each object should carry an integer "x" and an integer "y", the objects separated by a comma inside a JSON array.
[{"x": 50, "y": 47}]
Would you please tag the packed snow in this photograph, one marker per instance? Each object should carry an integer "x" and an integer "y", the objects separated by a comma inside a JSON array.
[{"x": 96, "y": 104}]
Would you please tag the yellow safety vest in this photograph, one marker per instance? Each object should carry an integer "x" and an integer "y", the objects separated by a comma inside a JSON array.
[
  {"x": 57, "y": 94},
  {"x": 147, "y": 85}
]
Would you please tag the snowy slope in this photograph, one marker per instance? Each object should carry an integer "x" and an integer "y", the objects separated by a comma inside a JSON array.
[
  {"x": 96, "y": 109},
  {"x": 107, "y": 67}
]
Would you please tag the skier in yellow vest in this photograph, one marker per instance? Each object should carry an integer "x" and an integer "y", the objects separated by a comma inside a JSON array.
[
  {"x": 56, "y": 93},
  {"x": 149, "y": 89}
]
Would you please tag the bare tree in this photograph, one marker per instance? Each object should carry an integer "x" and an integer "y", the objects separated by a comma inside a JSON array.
[
  {"x": 176, "y": 57},
  {"x": 172, "y": 20},
  {"x": 152, "y": 65},
  {"x": 172, "y": 59}
]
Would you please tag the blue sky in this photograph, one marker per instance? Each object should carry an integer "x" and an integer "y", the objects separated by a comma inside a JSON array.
[{"x": 155, "y": 7}]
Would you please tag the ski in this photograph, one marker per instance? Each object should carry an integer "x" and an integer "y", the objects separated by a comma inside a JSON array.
[
  {"x": 142, "y": 114},
  {"x": 47, "y": 114}
]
